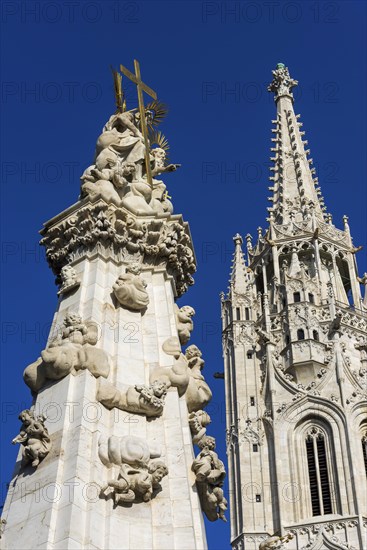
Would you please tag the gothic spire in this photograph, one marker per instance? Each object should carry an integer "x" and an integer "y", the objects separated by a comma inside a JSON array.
[
  {"x": 294, "y": 186},
  {"x": 239, "y": 278}
]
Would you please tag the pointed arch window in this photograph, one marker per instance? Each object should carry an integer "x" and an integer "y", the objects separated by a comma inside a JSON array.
[
  {"x": 364, "y": 448},
  {"x": 315, "y": 335},
  {"x": 296, "y": 296},
  {"x": 247, "y": 313},
  {"x": 238, "y": 313},
  {"x": 318, "y": 474},
  {"x": 300, "y": 334}
]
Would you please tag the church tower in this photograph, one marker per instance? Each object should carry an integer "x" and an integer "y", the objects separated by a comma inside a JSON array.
[
  {"x": 295, "y": 353},
  {"x": 107, "y": 447}
]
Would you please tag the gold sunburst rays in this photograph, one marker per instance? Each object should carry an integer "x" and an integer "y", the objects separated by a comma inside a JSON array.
[
  {"x": 156, "y": 137},
  {"x": 119, "y": 92},
  {"x": 159, "y": 111}
]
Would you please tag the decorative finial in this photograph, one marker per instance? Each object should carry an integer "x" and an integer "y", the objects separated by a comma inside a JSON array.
[
  {"x": 282, "y": 83},
  {"x": 238, "y": 239}
]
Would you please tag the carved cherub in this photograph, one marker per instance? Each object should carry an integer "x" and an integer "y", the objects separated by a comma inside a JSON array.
[
  {"x": 71, "y": 350},
  {"x": 185, "y": 325},
  {"x": 198, "y": 393},
  {"x": 34, "y": 438},
  {"x": 147, "y": 400},
  {"x": 207, "y": 466},
  {"x": 139, "y": 474},
  {"x": 133, "y": 483},
  {"x": 130, "y": 289},
  {"x": 198, "y": 421},
  {"x": 69, "y": 279},
  {"x": 210, "y": 473}
]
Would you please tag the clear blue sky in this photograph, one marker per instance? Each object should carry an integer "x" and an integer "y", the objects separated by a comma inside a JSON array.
[{"x": 210, "y": 62}]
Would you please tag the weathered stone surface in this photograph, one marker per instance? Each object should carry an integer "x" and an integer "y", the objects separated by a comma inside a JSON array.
[
  {"x": 130, "y": 289},
  {"x": 293, "y": 330},
  {"x": 70, "y": 351},
  {"x": 33, "y": 437}
]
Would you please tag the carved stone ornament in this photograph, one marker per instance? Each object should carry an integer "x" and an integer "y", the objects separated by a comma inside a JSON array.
[
  {"x": 69, "y": 280},
  {"x": 198, "y": 421},
  {"x": 184, "y": 374},
  {"x": 72, "y": 350},
  {"x": 184, "y": 322},
  {"x": 130, "y": 289},
  {"x": 33, "y": 437},
  {"x": 275, "y": 542},
  {"x": 172, "y": 346},
  {"x": 88, "y": 228},
  {"x": 282, "y": 83},
  {"x": 198, "y": 393},
  {"x": 210, "y": 473},
  {"x": 138, "y": 475},
  {"x": 253, "y": 432},
  {"x": 146, "y": 400},
  {"x": 119, "y": 173}
]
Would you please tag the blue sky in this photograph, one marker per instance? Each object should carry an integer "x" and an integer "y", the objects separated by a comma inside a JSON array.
[{"x": 210, "y": 62}]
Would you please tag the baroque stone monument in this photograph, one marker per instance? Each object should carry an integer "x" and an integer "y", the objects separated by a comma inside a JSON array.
[
  {"x": 107, "y": 455},
  {"x": 295, "y": 353}
]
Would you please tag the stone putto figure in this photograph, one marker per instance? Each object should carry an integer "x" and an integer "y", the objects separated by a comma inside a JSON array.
[
  {"x": 69, "y": 279},
  {"x": 139, "y": 475},
  {"x": 184, "y": 322},
  {"x": 198, "y": 421},
  {"x": 210, "y": 473},
  {"x": 198, "y": 393},
  {"x": 33, "y": 437},
  {"x": 70, "y": 351},
  {"x": 130, "y": 289},
  {"x": 147, "y": 400}
]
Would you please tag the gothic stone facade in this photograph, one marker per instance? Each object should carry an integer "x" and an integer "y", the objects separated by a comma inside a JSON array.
[{"x": 295, "y": 354}]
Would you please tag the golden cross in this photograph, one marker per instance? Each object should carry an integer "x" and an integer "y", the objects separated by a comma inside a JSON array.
[{"x": 141, "y": 87}]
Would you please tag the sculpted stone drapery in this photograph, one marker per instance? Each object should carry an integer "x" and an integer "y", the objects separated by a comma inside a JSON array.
[
  {"x": 118, "y": 173},
  {"x": 121, "y": 139},
  {"x": 139, "y": 475},
  {"x": 70, "y": 351},
  {"x": 210, "y": 473},
  {"x": 130, "y": 289},
  {"x": 33, "y": 437},
  {"x": 184, "y": 322}
]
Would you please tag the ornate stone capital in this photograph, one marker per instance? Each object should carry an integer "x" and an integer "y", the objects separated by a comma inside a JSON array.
[{"x": 92, "y": 226}]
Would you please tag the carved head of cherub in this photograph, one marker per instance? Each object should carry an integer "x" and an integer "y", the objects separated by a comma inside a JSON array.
[
  {"x": 207, "y": 442},
  {"x": 134, "y": 268},
  {"x": 158, "y": 470},
  {"x": 188, "y": 311}
]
